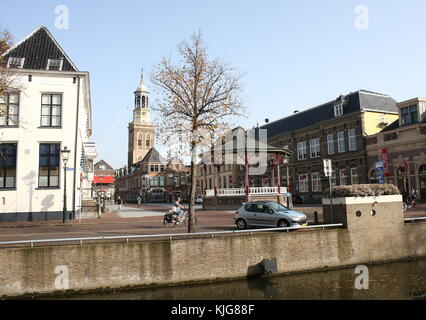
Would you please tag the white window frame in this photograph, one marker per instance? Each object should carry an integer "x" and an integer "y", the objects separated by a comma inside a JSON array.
[
  {"x": 315, "y": 147},
  {"x": 330, "y": 144},
  {"x": 14, "y": 61},
  {"x": 338, "y": 110},
  {"x": 303, "y": 183},
  {"x": 50, "y": 61},
  {"x": 352, "y": 140},
  {"x": 341, "y": 142},
  {"x": 316, "y": 182},
  {"x": 302, "y": 150},
  {"x": 354, "y": 173}
]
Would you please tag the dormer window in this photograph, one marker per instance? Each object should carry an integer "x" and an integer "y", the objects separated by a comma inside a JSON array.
[
  {"x": 15, "y": 63},
  {"x": 338, "y": 110},
  {"x": 54, "y": 65},
  {"x": 409, "y": 115}
]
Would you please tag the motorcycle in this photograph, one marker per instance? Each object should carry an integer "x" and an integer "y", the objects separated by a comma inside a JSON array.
[
  {"x": 411, "y": 201},
  {"x": 173, "y": 218}
]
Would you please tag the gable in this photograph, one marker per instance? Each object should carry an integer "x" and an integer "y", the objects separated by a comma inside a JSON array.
[{"x": 37, "y": 49}]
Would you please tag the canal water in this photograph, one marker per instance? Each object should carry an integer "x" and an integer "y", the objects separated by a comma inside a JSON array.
[{"x": 401, "y": 281}]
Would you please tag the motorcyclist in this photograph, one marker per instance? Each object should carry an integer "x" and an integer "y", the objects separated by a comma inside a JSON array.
[{"x": 179, "y": 208}]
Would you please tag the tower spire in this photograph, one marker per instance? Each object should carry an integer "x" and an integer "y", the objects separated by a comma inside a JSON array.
[{"x": 142, "y": 87}]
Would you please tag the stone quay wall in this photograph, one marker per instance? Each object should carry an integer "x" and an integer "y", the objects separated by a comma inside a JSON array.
[{"x": 50, "y": 270}]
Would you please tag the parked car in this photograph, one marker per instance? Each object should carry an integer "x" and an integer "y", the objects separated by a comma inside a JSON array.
[
  {"x": 199, "y": 199},
  {"x": 268, "y": 214},
  {"x": 297, "y": 199}
]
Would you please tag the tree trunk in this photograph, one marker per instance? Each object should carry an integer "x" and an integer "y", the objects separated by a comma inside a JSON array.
[{"x": 191, "y": 224}]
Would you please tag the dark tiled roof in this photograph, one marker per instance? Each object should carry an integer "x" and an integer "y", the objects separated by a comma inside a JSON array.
[
  {"x": 37, "y": 48},
  {"x": 354, "y": 102},
  {"x": 103, "y": 163},
  {"x": 153, "y": 156}
]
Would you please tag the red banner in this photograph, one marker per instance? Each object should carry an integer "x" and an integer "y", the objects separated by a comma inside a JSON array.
[{"x": 103, "y": 180}]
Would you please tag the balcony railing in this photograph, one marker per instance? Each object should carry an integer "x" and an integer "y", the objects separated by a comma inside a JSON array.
[{"x": 242, "y": 191}]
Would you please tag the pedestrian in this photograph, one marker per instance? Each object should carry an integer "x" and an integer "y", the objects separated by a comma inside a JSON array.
[
  {"x": 139, "y": 201},
  {"x": 119, "y": 203}
]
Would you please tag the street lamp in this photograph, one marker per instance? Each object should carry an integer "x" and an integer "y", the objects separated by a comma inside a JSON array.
[{"x": 65, "y": 156}]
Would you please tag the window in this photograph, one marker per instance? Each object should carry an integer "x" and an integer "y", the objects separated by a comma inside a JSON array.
[
  {"x": 15, "y": 63},
  {"x": 302, "y": 152},
  {"x": 315, "y": 148},
  {"x": 343, "y": 177},
  {"x": 316, "y": 182},
  {"x": 352, "y": 140},
  {"x": 303, "y": 183},
  {"x": 333, "y": 178},
  {"x": 162, "y": 181},
  {"x": 162, "y": 168},
  {"x": 148, "y": 140},
  {"x": 154, "y": 181},
  {"x": 154, "y": 168},
  {"x": 338, "y": 110},
  {"x": 330, "y": 143},
  {"x": 51, "y": 110},
  {"x": 341, "y": 141},
  {"x": 49, "y": 157},
  {"x": 55, "y": 65},
  {"x": 8, "y": 165},
  {"x": 354, "y": 175},
  {"x": 409, "y": 115},
  {"x": 9, "y": 110}
]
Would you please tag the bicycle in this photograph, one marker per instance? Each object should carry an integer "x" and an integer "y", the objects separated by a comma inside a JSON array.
[{"x": 172, "y": 219}]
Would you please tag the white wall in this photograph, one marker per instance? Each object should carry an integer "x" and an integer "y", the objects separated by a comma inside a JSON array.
[{"x": 27, "y": 197}]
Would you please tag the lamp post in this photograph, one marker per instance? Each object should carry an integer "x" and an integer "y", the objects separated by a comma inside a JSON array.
[{"x": 65, "y": 156}]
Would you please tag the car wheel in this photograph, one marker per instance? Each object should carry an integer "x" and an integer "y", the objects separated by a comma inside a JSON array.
[
  {"x": 283, "y": 224},
  {"x": 241, "y": 224}
]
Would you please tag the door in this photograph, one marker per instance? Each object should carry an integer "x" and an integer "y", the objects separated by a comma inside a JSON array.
[
  {"x": 423, "y": 187},
  {"x": 264, "y": 216},
  {"x": 250, "y": 214}
]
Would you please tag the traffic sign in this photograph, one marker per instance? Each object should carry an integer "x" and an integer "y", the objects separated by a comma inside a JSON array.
[{"x": 328, "y": 169}]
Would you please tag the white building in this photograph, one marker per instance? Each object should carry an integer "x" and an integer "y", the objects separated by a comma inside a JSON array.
[{"x": 47, "y": 109}]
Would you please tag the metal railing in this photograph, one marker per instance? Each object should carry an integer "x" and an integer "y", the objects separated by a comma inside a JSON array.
[
  {"x": 242, "y": 191},
  {"x": 412, "y": 220},
  {"x": 167, "y": 236}
]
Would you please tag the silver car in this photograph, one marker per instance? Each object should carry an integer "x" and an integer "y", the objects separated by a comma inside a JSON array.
[{"x": 268, "y": 214}]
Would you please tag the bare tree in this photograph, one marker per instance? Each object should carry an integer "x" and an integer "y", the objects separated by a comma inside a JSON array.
[
  {"x": 7, "y": 76},
  {"x": 197, "y": 96}
]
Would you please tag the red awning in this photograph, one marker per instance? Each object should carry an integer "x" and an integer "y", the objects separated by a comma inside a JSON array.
[{"x": 103, "y": 180}]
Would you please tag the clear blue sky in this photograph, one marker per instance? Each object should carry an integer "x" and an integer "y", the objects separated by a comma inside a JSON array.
[{"x": 296, "y": 54}]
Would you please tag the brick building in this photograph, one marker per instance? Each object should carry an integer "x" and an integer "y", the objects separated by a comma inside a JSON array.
[
  {"x": 335, "y": 130},
  {"x": 104, "y": 180},
  {"x": 404, "y": 144}
]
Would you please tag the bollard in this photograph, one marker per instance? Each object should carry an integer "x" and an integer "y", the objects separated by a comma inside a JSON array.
[{"x": 316, "y": 219}]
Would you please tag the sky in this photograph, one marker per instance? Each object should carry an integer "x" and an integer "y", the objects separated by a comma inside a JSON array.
[{"x": 294, "y": 54}]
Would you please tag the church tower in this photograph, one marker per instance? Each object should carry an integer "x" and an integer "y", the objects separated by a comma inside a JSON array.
[{"x": 141, "y": 129}]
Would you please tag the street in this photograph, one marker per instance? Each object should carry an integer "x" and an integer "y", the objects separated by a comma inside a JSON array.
[{"x": 146, "y": 220}]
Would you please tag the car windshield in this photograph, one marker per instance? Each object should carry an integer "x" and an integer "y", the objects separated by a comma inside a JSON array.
[{"x": 277, "y": 206}]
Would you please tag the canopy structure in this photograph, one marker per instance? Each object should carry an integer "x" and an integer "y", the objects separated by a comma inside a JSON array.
[{"x": 247, "y": 152}]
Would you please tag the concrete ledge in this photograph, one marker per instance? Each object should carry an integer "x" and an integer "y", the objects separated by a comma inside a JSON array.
[
  {"x": 116, "y": 265},
  {"x": 361, "y": 200},
  {"x": 32, "y": 216}
]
